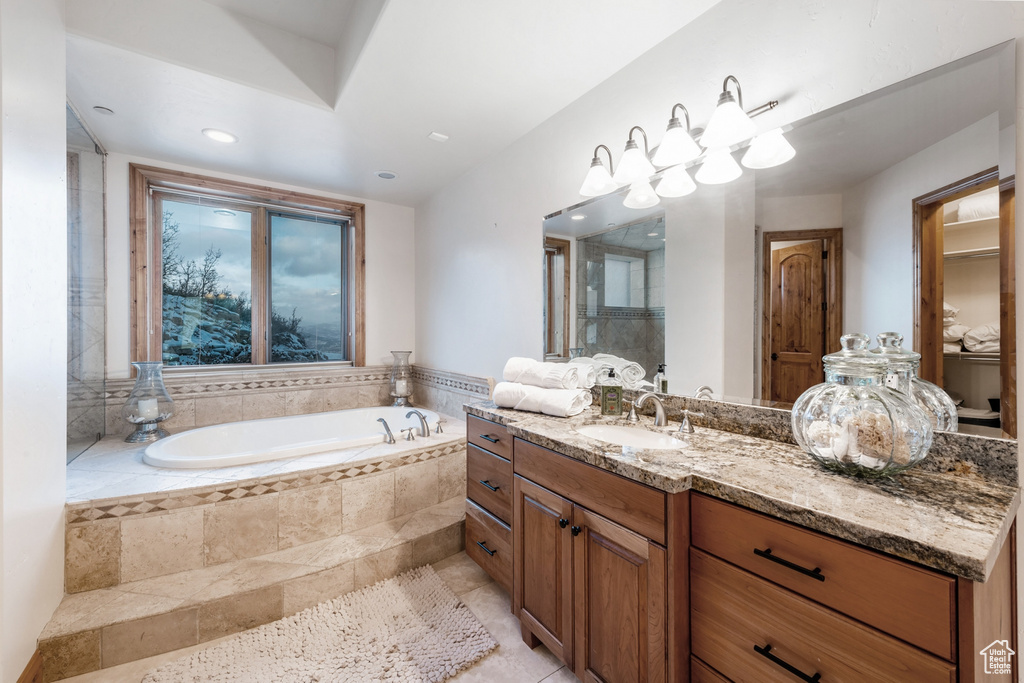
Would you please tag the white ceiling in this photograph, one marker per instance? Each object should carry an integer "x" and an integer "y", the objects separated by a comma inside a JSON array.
[{"x": 322, "y": 93}]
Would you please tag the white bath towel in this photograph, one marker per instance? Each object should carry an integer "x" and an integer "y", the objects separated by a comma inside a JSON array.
[
  {"x": 949, "y": 312},
  {"x": 980, "y": 339},
  {"x": 948, "y": 347},
  {"x": 555, "y": 402},
  {"x": 631, "y": 374},
  {"x": 954, "y": 333},
  {"x": 546, "y": 375}
]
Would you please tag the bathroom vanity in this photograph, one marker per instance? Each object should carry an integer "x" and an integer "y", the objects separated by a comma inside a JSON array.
[{"x": 738, "y": 558}]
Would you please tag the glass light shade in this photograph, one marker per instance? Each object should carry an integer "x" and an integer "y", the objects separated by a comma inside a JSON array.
[
  {"x": 677, "y": 147},
  {"x": 148, "y": 404},
  {"x": 768, "y": 149},
  {"x": 641, "y": 195},
  {"x": 598, "y": 181},
  {"x": 729, "y": 124},
  {"x": 718, "y": 167},
  {"x": 634, "y": 165},
  {"x": 676, "y": 183}
]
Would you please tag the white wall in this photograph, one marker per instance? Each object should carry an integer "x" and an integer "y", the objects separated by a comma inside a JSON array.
[
  {"x": 390, "y": 264},
  {"x": 878, "y": 221},
  {"x": 33, "y": 323},
  {"x": 808, "y": 212}
]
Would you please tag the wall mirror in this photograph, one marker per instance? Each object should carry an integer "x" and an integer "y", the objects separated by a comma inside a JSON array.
[{"x": 896, "y": 214}]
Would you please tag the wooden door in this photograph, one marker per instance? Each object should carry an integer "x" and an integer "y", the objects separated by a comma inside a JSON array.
[
  {"x": 542, "y": 553},
  {"x": 797, "y": 320},
  {"x": 620, "y": 596}
]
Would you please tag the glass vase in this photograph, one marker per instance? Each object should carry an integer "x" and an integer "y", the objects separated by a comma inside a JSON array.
[
  {"x": 149, "y": 404},
  {"x": 401, "y": 378},
  {"x": 903, "y": 367}
]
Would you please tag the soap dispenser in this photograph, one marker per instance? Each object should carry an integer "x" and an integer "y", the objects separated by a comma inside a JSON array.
[
  {"x": 661, "y": 380},
  {"x": 611, "y": 395}
]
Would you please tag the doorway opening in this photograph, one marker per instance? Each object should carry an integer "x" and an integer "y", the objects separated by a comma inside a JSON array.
[
  {"x": 801, "y": 309},
  {"x": 557, "y": 274}
]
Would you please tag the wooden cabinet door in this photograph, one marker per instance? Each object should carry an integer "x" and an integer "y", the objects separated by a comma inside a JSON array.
[
  {"x": 542, "y": 556},
  {"x": 620, "y": 596}
]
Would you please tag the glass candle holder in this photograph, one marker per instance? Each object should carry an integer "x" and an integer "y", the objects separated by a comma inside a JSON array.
[
  {"x": 149, "y": 404},
  {"x": 401, "y": 378}
]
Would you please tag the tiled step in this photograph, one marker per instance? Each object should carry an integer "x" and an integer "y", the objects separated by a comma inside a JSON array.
[{"x": 109, "y": 626}]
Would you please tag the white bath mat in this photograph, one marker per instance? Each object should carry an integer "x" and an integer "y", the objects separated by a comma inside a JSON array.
[{"x": 409, "y": 628}]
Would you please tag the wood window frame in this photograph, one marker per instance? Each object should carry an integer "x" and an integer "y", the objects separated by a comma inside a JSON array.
[
  {"x": 832, "y": 243},
  {"x": 145, "y": 261},
  {"x": 565, "y": 247}
]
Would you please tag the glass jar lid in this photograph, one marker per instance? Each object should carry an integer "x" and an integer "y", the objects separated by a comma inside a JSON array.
[
  {"x": 854, "y": 352},
  {"x": 890, "y": 347}
]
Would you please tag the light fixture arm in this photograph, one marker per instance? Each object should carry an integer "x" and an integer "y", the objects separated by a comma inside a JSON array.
[
  {"x": 611, "y": 168},
  {"x": 739, "y": 91},
  {"x": 686, "y": 115},
  {"x": 647, "y": 149},
  {"x": 767, "y": 106}
]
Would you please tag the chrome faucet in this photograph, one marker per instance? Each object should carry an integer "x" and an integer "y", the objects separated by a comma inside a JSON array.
[
  {"x": 686, "y": 427},
  {"x": 703, "y": 392},
  {"x": 409, "y": 433},
  {"x": 659, "y": 407},
  {"x": 390, "y": 438},
  {"x": 424, "y": 427}
]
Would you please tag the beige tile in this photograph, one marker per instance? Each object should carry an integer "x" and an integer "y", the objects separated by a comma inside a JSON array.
[
  {"x": 342, "y": 398},
  {"x": 114, "y": 423},
  {"x": 367, "y": 500},
  {"x": 386, "y": 529},
  {"x": 451, "y": 475},
  {"x": 304, "y": 401},
  {"x": 147, "y": 637},
  {"x": 421, "y": 525},
  {"x": 240, "y": 529},
  {"x": 164, "y": 544},
  {"x": 240, "y": 612},
  {"x": 308, "y": 514},
  {"x": 300, "y": 554},
  {"x": 180, "y": 585},
  {"x": 70, "y": 655},
  {"x": 438, "y": 545},
  {"x": 215, "y": 410},
  {"x": 416, "y": 487},
  {"x": 74, "y": 607},
  {"x": 347, "y": 548},
  {"x": 249, "y": 575},
  {"x": 126, "y": 607},
  {"x": 92, "y": 556},
  {"x": 258, "y": 406},
  {"x": 312, "y": 589},
  {"x": 134, "y": 672},
  {"x": 184, "y": 416},
  {"x": 383, "y": 565},
  {"x": 461, "y": 573},
  {"x": 563, "y": 675}
]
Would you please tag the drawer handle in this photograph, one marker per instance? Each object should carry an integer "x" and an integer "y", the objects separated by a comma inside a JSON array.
[
  {"x": 766, "y": 652},
  {"x": 488, "y": 485},
  {"x": 488, "y": 438},
  {"x": 486, "y": 549},
  {"x": 767, "y": 554}
]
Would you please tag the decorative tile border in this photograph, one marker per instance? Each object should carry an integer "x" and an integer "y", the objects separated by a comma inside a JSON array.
[
  {"x": 451, "y": 381},
  {"x": 583, "y": 312},
  {"x": 162, "y": 502}
]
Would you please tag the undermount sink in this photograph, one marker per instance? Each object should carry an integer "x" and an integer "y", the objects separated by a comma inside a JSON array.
[{"x": 634, "y": 437}]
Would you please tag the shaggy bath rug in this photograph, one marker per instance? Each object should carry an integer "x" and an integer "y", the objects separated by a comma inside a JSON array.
[{"x": 409, "y": 628}]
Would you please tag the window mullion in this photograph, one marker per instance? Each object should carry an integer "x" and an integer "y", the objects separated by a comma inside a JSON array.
[{"x": 260, "y": 302}]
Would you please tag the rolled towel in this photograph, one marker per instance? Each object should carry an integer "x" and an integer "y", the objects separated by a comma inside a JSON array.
[
  {"x": 555, "y": 402},
  {"x": 537, "y": 374},
  {"x": 631, "y": 374}
]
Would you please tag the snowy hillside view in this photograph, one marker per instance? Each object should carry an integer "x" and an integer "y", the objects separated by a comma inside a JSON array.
[{"x": 205, "y": 322}]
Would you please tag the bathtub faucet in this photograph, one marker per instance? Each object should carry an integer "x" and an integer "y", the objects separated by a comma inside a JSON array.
[
  {"x": 424, "y": 427},
  {"x": 390, "y": 438}
]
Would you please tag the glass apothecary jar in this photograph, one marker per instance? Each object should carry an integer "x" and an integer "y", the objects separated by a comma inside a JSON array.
[
  {"x": 149, "y": 404},
  {"x": 902, "y": 376},
  {"x": 853, "y": 423},
  {"x": 401, "y": 378}
]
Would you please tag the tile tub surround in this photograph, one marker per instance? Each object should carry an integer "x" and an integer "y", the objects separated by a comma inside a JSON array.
[
  {"x": 446, "y": 392},
  {"x": 949, "y": 522},
  {"x": 110, "y": 626},
  {"x": 190, "y": 524}
]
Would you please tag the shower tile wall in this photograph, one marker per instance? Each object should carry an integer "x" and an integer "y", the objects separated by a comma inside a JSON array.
[{"x": 86, "y": 291}]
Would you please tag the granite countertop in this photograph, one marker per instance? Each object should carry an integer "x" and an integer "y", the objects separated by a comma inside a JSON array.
[{"x": 955, "y": 523}]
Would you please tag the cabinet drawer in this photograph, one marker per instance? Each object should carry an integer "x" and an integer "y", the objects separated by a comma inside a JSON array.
[
  {"x": 904, "y": 600},
  {"x": 488, "y": 435},
  {"x": 489, "y": 482},
  {"x": 634, "y": 506},
  {"x": 732, "y": 612},
  {"x": 489, "y": 544},
  {"x": 702, "y": 673}
]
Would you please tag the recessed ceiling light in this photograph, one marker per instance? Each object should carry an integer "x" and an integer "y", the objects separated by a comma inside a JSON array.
[
  {"x": 219, "y": 135},
  {"x": 578, "y": 217},
  {"x": 224, "y": 212},
  {"x": 652, "y": 234},
  {"x": 106, "y": 111},
  {"x": 438, "y": 137},
  {"x": 386, "y": 175}
]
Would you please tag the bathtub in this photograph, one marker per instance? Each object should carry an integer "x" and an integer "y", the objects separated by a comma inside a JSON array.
[{"x": 244, "y": 443}]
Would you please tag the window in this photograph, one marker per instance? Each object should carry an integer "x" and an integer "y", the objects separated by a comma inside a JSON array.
[{"x": 230, "y": 274}]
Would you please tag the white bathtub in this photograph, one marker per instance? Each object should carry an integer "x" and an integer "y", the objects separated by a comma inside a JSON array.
[{"x": 243, "y": 443}]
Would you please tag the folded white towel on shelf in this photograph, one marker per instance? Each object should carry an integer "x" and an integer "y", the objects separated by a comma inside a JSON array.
[
  {"x": 949, "y": 347},
  {"x": 954, "y": 333},
  {"x": 949, "y": 312},
  {"x": 629, "y": 373},
  {"x": 985, "y": 347},
  {"x": 538, "y": 374},
  {"x": 982, "y": 335},
  {"x": 555, "y": 402}
]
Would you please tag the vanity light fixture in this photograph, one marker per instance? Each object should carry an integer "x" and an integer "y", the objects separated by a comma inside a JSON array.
[
  {"x": 641, "y": 195},
  {"x": 676, "y": 182},
  {"x": 220, "y": 135},
  {"x": 718, "y": 167},
  {"x": 677, "y": 147},
  {"x": 729, "y": 124},
  {"x": 599, "y": 181},
  {"x": 767, "y": 150},
  {"x": 634, "y": 164}
]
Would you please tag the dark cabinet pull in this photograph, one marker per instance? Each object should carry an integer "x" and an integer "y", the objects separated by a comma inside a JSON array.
[
  {"x": 766, "y": 652},
  {"x": 775, "y": 356},
  {"x": 486, "y": 549},
  {"x": 488, "y": 485},
  {"x": 576, "y": 531},
  {"x": 563, "y": 523},
  {"x": 488, "y": 438},
  {"x": 767, "y": 554}
]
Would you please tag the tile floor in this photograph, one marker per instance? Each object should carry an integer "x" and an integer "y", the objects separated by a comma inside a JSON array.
[{"x": 512, "y": 662}]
